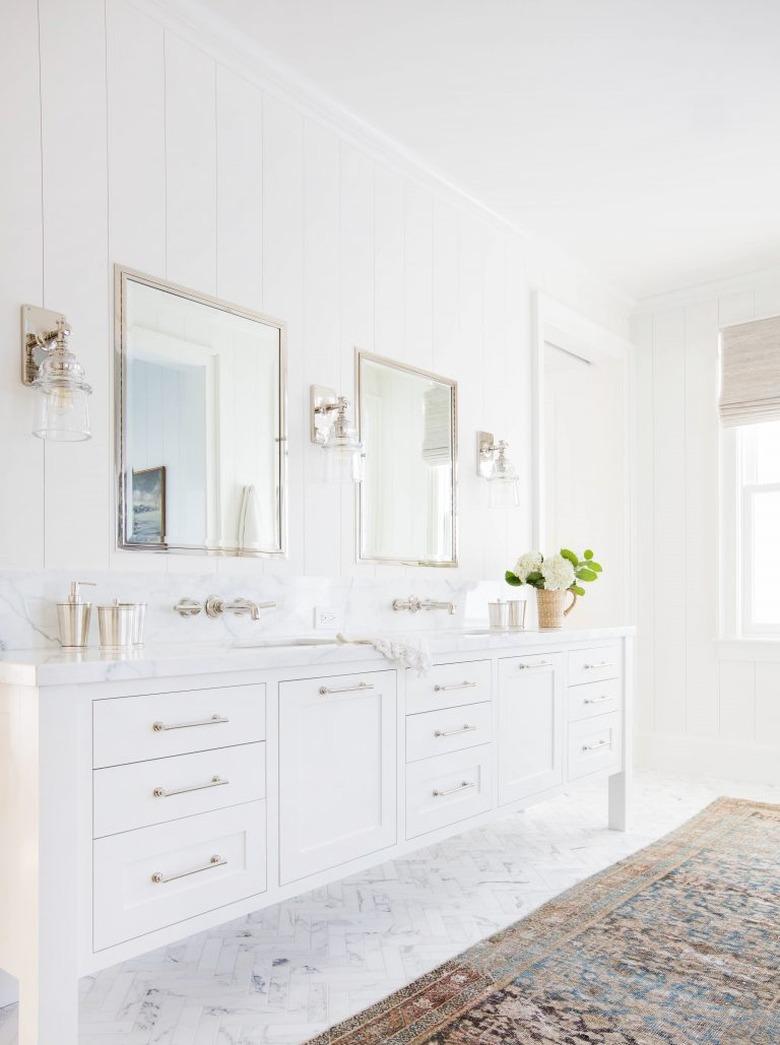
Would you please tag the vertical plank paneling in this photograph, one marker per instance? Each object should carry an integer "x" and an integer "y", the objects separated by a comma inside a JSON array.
[
  {"x": 283, "y": 290},
  {"x": 239, "y": 191},
  {"x": 418, "y": 276},
  {"x": 495, "y": 403},
  {"x": 191, "y": 151},
  {"x": 21, "y": 265},
  {"x": 389, "y": 319},
  {"x": 642, "y": 337},
  {"x": 76, "y": 277},
  {"x": 701, "y": 500},
  {"x": 356, "y": 253},
  {"x": 519, "y": 382},
  {"x": 668, "y": 522},
  {"x": 467, "y": 367},
  {"x": 737, "y": 700},
  {"x": 136, "y": 138},
  {"x": 321, "y": 336}
]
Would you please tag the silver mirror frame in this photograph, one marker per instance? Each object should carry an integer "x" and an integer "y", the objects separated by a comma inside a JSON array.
[
  {"x": 371, "y": 357},
  {"x": 122, "y": 276}
]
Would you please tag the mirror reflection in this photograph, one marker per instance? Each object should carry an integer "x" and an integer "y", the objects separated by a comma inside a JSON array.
[
  {"x": 202, "y": 432},
  {"x": 407, "y": 497}
]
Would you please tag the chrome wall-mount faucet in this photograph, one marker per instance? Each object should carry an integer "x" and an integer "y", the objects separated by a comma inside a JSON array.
[
  {"x": 414, "y": 605},
  {"x": 215, "y": 606}
]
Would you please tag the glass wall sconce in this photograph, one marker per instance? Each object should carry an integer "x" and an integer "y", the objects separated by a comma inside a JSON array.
[
  {"x": 494, "y": 466},
  {"x": 49, "y": 366},
  {"x": 332, "y": 430}
]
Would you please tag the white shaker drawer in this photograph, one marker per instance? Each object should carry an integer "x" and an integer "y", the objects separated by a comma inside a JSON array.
[
  {"x": 444, "y": 790},
  {"x": 593, "y": 665},
  {"x": 448, "y": 686},
  {"x": 452, "y": 729},
  {"x": 595, "y": 744},
  {"x": 145, "y": 880},
  {"x": 594, "y": 698},
  {"x": 146, "y": 793},
  {"x": 132, "y": 729}
]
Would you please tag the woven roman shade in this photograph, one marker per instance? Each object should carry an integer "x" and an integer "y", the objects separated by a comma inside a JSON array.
[{"x": 750, "y": 372}]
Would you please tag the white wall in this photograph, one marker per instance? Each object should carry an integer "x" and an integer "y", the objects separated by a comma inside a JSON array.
[
  {"x": 131, "y": 140},
  {"x": 704, "y": 704}
]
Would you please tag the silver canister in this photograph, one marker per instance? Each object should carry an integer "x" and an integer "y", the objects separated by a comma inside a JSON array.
[
  {"x": 138, "y": 623},
  {"x": 498, "y": 614},
  {"x": 116, "y": 625},
  {"x": 517, "y": 608}
]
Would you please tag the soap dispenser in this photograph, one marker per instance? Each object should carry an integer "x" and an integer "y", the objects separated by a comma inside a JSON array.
[{"x": 74, "y": 616}]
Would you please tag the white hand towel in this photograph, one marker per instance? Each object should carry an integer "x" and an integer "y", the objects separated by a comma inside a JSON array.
[{"x": 409, "y": 651}]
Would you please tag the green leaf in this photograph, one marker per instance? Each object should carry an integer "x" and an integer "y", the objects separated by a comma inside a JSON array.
[
  {"x": 577, "y": 590},
  {"x": 535, "y": 579},
  {"x": 587, "y": 554},
  {"x": 513, "y": 579},
  {"x": 586, "y": 575},
  {"x": 567, "y": 554},
  {"x": 593, "y": 565}
]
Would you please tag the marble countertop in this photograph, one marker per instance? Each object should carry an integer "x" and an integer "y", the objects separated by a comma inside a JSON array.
[{"x": 50, "y": 667}]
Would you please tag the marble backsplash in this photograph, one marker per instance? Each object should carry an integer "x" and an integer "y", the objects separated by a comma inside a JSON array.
[{"x": 28, "y": 616}]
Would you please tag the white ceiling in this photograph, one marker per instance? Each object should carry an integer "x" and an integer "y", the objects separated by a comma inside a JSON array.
[{"x": 641, "y": 135}]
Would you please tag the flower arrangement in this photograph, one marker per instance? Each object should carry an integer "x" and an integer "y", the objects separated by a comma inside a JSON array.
[
  {"x": 553, "y": 577},
  {"x": 555, "y": 573}
]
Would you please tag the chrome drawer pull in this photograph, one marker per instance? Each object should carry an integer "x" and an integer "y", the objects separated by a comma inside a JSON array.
[
  {"x": 163, "y": 792},
  {"x": 464, "y": 786},
  {"x": 596, "y": 746},
  {"x": 455, "y": 685},
  {"x": 454, "y": 732},
  {"x": 324, "y": 690},
  {"x": 601, "y": 664},
  {"x": 539, "y": 664},
  {"x": 597, "y": 700},
  {"x": 163, "y": 727},
  {"x": 162, "y": 879}
]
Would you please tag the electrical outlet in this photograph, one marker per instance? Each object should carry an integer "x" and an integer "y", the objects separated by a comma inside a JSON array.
[{"x": 326, "y": 617}]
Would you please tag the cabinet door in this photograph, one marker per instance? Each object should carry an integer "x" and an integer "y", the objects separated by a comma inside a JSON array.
[
  {"x": 337, "y": 770},
  {"x": 530, "y": 725}
]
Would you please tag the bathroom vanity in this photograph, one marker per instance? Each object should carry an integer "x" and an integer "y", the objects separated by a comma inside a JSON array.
[{"x": 146, "y": 797}]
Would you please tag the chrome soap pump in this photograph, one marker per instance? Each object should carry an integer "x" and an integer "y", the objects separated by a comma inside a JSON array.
[{"x": 74, "y": 616}]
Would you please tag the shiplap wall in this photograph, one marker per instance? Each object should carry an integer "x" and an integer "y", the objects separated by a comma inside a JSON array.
[
  {"x": 703, "y": 704},
  {"x": 132, "y": 139}
]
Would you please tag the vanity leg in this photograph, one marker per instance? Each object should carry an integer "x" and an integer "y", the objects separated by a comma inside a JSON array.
[
  {"x": 618, "y": 801},
  {"x": 49, "y": 1007},
  {"x": 48, "y": 925}
]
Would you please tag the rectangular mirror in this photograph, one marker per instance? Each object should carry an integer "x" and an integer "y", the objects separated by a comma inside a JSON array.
[
  {"x": 408, "y": 424},
  {"x": 201, "y": 439}
]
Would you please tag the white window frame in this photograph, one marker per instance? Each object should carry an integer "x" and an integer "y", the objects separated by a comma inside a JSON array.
[{"x": 737, "y": 510}]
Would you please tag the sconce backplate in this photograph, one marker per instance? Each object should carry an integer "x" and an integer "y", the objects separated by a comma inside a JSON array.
[
  {"x": 39, "y": 325},
  {"x": 321, "y": 398},
  {"x": 484, "y": 443}
]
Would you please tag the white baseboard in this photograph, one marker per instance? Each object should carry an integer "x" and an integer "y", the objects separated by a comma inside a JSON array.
[{"x": 707, "y": 756}]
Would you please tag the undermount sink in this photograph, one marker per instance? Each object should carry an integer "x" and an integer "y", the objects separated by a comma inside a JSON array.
[{"x": 279, "y": 643}]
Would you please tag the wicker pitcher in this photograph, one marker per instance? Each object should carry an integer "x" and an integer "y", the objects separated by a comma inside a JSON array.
[{"x": 550, "y": 606}]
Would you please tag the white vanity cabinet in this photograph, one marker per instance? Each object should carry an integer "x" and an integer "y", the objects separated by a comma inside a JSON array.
[
  {"x": 337, "y": 770},
  {"x": 157, "y": 796},
  {"x": 531, "y": 693}
]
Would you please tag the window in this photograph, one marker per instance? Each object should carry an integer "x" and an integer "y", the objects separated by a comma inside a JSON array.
[{"x": 759, "y": 471}]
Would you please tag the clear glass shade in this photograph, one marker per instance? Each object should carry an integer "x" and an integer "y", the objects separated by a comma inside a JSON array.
[
  {"x": 61, "y": 413},
  {"x": 343, "y": 461},
  {"x": 504, "y": 492}
]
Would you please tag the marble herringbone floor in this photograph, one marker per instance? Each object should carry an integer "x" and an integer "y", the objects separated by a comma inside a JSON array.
[{"x": 285, "y": 973}]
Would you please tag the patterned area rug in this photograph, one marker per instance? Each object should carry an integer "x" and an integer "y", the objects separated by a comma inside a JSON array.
[{"x": 679, "y": 943}]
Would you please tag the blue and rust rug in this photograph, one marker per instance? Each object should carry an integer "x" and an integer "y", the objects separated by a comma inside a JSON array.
[{"x": 679, "y": 943}]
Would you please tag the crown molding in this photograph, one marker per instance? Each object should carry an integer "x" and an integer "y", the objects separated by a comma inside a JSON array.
[{"x": 699, "y": 292}]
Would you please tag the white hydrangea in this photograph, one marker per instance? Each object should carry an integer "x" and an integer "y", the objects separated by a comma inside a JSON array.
[
  {"x": 531, "y": 562},
  {"x": 558, "y": 573}
]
